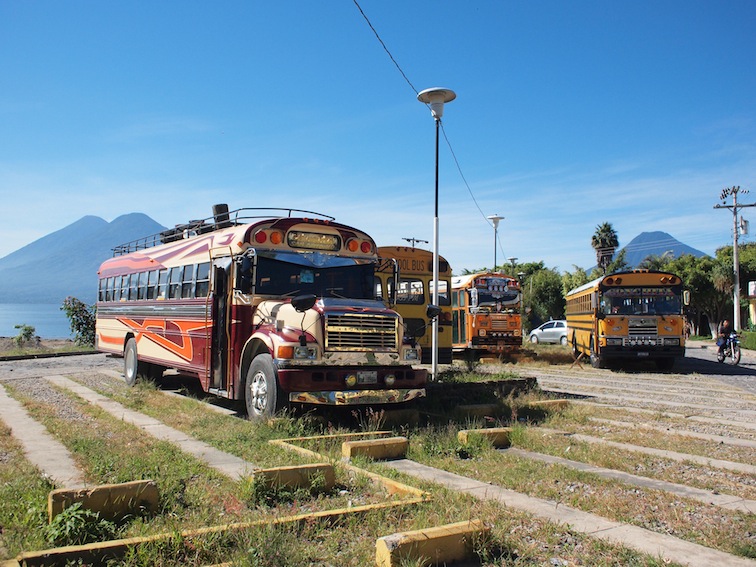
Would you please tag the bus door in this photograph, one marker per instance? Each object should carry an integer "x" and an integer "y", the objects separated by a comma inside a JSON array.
[{"x": 220, "y": 323}]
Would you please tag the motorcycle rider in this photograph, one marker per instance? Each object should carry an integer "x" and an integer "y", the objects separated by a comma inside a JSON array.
[{"x": 725, "y": 329}]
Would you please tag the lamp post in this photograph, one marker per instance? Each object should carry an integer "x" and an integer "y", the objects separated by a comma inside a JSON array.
[
  {"x": 495, "y": 220},
  {"x": 512, "y": 261},
  {"x": 436, "y": 97}
]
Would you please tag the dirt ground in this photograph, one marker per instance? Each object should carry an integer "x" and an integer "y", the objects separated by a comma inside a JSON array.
[{"x": 9, "y": 344}]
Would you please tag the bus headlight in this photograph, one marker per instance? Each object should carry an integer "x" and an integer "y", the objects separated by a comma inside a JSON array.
[
  {"x": 613, "y": 342},
  {"x": 351, "y": 381},
  {"x": 411, "y": 354},
  {"x": 482, "y": 332},
  {"x": 389, "y": 380},
  {"x": 304, "y": 353},
  {"x": 672, "y": 342}
]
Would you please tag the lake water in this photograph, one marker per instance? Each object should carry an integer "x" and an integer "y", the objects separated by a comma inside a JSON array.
[{"x": 48, "y": 320}]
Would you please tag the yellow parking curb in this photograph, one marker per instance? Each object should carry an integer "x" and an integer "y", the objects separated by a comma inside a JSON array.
[
  {"x": 111, "y": 501},
  {"x": 433, "y": 546},
  {"x": 497, "y": 436}
]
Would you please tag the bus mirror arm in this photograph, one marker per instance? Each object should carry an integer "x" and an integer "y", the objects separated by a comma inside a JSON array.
[{"x": 432, "y": 311}]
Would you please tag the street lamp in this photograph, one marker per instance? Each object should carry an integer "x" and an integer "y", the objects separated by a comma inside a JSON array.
[
  {"x": 495, "y": 220},
  {"x": 436, "y": 97},
  {"x": 512, "y": 261}
]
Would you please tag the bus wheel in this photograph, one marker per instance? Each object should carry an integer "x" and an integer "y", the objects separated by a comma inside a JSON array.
[
  {"x": 261, "y": 393},
  {"x": 131, "y": 368}
]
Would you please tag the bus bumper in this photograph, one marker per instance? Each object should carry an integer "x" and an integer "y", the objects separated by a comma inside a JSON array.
[
  {"x": 357, "y": 397},
  {"x": 640, "y": 353}
]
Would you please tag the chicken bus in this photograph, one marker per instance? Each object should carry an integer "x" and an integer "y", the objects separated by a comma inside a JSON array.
[
  {"x": 412, "y": 294},
  {"x": 630, "y": 315},
  {"x": 486, "y": 317},
  {"x": 272, "y": 307}
]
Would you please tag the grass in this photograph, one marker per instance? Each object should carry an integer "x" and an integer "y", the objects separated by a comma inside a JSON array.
[{"x": 193, "y": 495}]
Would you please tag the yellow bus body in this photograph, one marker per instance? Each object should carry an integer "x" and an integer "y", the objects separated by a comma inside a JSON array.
[
  {"x": 632, "y": 315},
  {"x": 414, "y": 292},
  {"x": 486, "y": 314}
]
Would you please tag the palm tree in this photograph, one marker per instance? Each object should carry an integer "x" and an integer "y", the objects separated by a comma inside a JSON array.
[{"x": 604, "y": 242}]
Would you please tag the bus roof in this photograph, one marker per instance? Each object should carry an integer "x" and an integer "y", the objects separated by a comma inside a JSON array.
[
  {"x": 462, "y": 281},
  {"x": 230, "y": 238},
  {"x": 595, "y": 283}
]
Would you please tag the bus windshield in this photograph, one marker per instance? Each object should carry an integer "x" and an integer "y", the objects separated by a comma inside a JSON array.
[
  {"x": 640, "y": 301},
  {"x": 285, "y": 274}
]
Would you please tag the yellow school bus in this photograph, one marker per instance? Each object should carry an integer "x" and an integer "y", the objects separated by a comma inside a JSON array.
[
  {"x": 414, "y": 291},
  {"x": 632, "y": 315},
  {"x": 486, "y": 314}
]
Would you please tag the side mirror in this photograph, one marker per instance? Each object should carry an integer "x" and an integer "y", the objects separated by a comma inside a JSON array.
[
  {"x": 303, "y": 302},
  {"x": 432, "y": 311},
  {"x": 686, "y": 297}
]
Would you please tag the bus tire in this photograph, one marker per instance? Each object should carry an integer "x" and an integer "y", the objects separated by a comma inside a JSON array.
[
  {"x": 131, "y": 366},
  {"x": 262, "y": 396}
]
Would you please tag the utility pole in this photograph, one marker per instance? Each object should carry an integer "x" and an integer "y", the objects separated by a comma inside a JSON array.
[
  {"x": 414, "y": 240},
  {"x": 726, "y": 192}
]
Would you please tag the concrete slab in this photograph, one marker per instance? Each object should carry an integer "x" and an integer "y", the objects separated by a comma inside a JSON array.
[
  {"x": 497, "y": 436},
  {"x": 379, "y": 449},
  {"x": 673, "y": 455},
  {"x": 111, "y": 501},
  {"x": 41, "y": 449},
  {"x": 227, "y": 464},
  {"x": 726, "y": 501},
  {"x": 668, "y": 548}
]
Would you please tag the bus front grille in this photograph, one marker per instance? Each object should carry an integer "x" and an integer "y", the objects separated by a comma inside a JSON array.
[{"x": 361, "y": 332}]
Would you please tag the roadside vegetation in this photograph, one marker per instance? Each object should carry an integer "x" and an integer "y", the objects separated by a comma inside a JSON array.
[{"x": 193, "y": 495}]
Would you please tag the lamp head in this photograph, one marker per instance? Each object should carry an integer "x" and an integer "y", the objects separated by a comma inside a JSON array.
[
  {"x": 495, "y": 220},
  {"x": 436, "y": 97}
]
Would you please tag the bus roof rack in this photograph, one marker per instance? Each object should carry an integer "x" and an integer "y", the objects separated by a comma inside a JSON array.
[{"x": 222, "y": 218}]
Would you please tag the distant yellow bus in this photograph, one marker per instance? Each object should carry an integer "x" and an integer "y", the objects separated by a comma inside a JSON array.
[
  {"x": 632, "y": 315},
  {"x": 486, "y": 314},
  {"x": 414, "y": 291}
]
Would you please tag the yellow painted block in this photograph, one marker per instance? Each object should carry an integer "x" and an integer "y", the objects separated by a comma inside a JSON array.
[
  {"x": 439, "y": 545},
  {"x": 301, "y": 476},
  {"x": 497, "y": 436},
  {"x": 112, "y": 501},
  {"x": 384, "y": 448}
]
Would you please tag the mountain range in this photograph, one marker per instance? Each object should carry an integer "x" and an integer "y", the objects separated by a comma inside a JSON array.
[{"x": 65, "y": 262}]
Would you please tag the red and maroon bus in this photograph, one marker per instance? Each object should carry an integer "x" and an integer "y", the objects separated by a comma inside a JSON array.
[{"x": 270, "y": 306}]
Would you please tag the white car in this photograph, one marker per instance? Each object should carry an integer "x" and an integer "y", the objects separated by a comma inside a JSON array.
[{"x": 549, "y": 332}]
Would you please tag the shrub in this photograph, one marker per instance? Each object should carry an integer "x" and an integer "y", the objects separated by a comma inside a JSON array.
[
  {"x": 26, "y": 333},
  {"x": 82, "y": 320}
]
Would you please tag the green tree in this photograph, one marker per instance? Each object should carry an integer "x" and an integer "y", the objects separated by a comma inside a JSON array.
[
  {"x": 657, "y": 262},
  {"x": 81, "y": 318},
  {"x": 604, "y": 242},
  {"x": 707, "y": 298},
  {"x": 575, "y": 279}
]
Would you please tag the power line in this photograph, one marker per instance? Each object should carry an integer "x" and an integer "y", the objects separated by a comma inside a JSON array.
[{"x": 448, "y": 143}]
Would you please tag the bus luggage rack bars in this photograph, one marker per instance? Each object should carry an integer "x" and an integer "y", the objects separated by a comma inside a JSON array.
[{"x": 223, "y": 219}]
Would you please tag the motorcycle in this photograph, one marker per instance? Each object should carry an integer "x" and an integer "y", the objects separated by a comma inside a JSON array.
[{"x": 731, "y": 350}]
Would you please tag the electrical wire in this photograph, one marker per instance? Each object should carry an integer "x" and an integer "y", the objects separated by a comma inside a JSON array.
[{"x": 446, "y": 138}]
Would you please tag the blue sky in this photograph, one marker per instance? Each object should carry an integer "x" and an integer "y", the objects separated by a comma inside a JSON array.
[{"x": 568, "y": 114}]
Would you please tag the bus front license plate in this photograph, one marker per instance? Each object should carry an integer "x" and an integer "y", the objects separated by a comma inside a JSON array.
[
  {"x": 641, "y": 354},
  {"x": 370, "y": 377}
]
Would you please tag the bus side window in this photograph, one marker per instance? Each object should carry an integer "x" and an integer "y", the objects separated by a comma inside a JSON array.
[
  {"x": 152, "y": 283},
  {"x": 103, "y": 284},
  {"x": 142, "y": 286},
  {"x": 203, "y": 280},
  {"x": 133, "y": 281},
  {"x": 174, "y": 285},
  {"x": 187, "y": 282},
  {"x": 163, "y": 284}
]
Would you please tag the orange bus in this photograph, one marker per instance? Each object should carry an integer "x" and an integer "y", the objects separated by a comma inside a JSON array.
[
  {"x": 262, "y": 305},
  {"x": 486, "y": 314},
  {"x": 412, "y": 294},
  {"x": 632, "y": 315}
]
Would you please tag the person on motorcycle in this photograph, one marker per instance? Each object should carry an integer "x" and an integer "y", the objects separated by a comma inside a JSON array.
[{"x": 725, "y": 329}]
